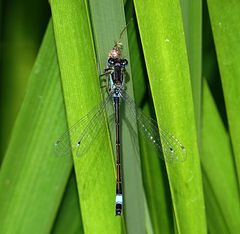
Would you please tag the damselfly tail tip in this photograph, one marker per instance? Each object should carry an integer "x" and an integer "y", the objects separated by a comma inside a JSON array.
[
  {"x": 119, "y": 201},
  {"x": 118, "y": 209}
]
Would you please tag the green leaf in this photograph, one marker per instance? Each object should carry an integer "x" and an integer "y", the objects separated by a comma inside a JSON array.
[
  {"x": 18, "y": 49},
  {"x": 192, "y": 22},
  {"x": 68, "y": 219},
  {"x": 139, "y": 74},
  {"x": 94, "y": 170},
  {"x": 32, "y": 179},
  {"x": 225, "y": 18},
  {"x": 167, "y": 66},
  {"x": 219, "y": 176},
  {"x": 156, "y": 187},
  {"x": 154, "y": 173},
  {"x": 102, "y": 13}
]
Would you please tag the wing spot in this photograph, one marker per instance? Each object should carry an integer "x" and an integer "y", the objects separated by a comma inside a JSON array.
[{"x": 183, "y": 148}]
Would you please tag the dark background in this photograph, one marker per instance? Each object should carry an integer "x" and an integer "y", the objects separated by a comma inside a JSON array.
[{"x": 22, "y": 25}]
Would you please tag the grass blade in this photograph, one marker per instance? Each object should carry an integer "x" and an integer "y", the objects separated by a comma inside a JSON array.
[
  {"x": 94, "y": 171},
  {"x": 156, "y": 187},
  {"x": 19, "y": 45},
  {"x": 219, "y": 180},
  {"x": 166, "y": 61},
  {"x": 138, "y": 68},
  {"x": 32, "y": 179},
  {"x": 225, "y": 18},
  {"x": 154, "y": 173},
  {"x": 68, "y": 219},
  {"x": 102, "y": 13},
  {"x": 192, "y": 22}
]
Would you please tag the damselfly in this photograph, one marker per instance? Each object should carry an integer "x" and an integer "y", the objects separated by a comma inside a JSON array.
[{"x": 84, "y": 131}]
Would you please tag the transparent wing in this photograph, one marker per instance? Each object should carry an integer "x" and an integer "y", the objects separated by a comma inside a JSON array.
[
  {"x": 83, "y": 132},
  {"x": 168, "y": 144}
]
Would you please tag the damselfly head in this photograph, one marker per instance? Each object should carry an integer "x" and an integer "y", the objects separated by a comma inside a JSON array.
[{"x": 117, "y": 62}]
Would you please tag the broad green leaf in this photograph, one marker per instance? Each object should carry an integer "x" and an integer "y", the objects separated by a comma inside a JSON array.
[
  {"x": 68, "y": 219},
  {"x": 225, "y": 18},
  {"x": 156, "y": 187},
  {"x": 94, "y": 170},
  {"x": 154, "y": 173},
  {"x": 32, "y": 179},
  {"x": 139, "y": 74},
  {"x": 219, "y": 176},
  {"x": 192, "y": 22},
  {"x": 167, "y": 66},
  {"x": 102, "y": 13}
]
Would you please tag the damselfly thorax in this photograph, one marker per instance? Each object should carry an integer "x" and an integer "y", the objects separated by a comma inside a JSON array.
[{"x": 115, "y": 71}]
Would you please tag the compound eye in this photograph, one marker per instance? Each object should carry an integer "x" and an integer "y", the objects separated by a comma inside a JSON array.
[
  {"x": 111, "y": 61},
  {"x": 124, "y": 62}
]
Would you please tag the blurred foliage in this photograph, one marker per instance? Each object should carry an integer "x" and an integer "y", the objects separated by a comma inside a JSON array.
[
  {"x": 161, "y": 198},
  {"x": 22, "y": 29}
]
